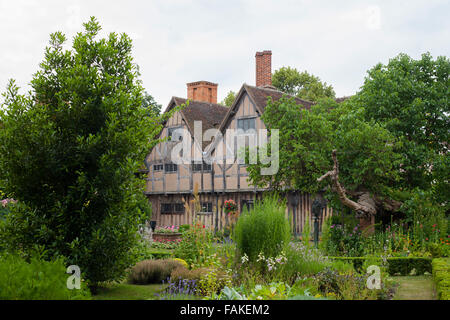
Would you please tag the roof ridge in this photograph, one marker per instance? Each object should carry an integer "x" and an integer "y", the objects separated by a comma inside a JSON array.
[{"x": 276, "y": 90}]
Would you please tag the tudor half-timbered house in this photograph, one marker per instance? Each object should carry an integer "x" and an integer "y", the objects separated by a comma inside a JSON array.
[{"x": 171, "y": 187}]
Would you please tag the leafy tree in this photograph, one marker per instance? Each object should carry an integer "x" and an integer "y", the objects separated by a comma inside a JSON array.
[
  {"x": 411, "y": 99},
  {"x": 387, "y": 142},
  {"x": 150, "y": 103},
  {"x": 69, "y": 150},
  {"x": 301, "y": 84},
  {"x": 229, "y": 99},
  {"x": 307, "y": 139}
]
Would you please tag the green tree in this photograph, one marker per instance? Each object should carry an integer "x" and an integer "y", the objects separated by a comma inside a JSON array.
[
  {"x": 69, "y": 150},
  {"x": 390, "y": 139},
  {"x": 149, "y": 102},
  {"x": 411, "y": 99},
  {"x": 229, "y": 99},
  {"x": 301, "y": 84},
  {"x": 307, "y": 138}
]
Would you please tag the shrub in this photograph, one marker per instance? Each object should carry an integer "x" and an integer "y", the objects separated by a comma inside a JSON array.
[
  {"x": 395, "y": 265},
  {"x": 183, "y": 228},
  {"x": 263, "y": 230},
  {"x": 36, "y": 280},
  {"x": 195, "y": 245},
  {"x": 87, "y": 133},
  {"x": 152, "y": 271},
  {"x": 213, "y": 281},
  {"x": 441, "y": 276},
  {"x": 182, "y": 273}
]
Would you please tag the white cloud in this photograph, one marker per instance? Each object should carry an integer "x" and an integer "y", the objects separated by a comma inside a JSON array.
[{"x": 181, "y": 41}]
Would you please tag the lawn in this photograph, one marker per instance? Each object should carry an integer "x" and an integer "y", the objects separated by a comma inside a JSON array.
[
  {"x": 125, "y": 291},
  {"x": 415, "y": 288}
]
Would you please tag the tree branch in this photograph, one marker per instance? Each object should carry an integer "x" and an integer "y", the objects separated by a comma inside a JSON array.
[{"x": 366, "y": 208}]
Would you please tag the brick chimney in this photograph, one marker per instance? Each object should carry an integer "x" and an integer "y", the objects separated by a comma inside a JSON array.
[
  {"x": 202, "y": 91},
  {"x": 264, "y": 68}
]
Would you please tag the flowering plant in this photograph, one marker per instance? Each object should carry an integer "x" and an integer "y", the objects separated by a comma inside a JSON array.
[
  {"x": 166, "y": 229},
  {"x": 230, "y": 206},
  {"x": 5, "y": 202}
]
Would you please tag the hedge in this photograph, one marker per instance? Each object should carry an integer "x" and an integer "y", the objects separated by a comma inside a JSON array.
[
  {"x": 160, "y": 254},
  {"x": 395, "y": 265},
  {"x": 441, "y": 276}
]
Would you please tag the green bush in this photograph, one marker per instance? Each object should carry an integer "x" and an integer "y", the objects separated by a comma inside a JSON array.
[
  {"x": 395, "y": 265},
  {"x": 264, "y": 229},
  {"x": 87, "y": 131},
  {"x": 195, "y": 245},
  {"x": 36, "y": 280},
  {"x": 152, "y": 271},
  {"x": 182, "y": 273},
  {"x": 183, "y": 228},
  {"x": 441, "y": 276}
]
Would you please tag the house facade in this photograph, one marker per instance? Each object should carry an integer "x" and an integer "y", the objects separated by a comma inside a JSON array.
[{"x": 172, "y": 185}]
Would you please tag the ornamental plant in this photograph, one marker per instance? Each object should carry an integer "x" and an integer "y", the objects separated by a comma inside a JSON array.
[
  {"x": 230, "y": 206},
  {"x": 195, "y": 245},
  {"x": 87, "y": 132},
  {"x": 263, "y": 230}
]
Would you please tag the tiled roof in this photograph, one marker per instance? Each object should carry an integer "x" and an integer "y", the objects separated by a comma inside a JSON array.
[
  {"x": 210, "y": 114},
  {"x": 260, "y": 94}
]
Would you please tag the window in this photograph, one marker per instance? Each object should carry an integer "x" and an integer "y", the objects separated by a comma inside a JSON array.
[
  {"x": 246, "y": 124},
  {"x": 196, "y": 167},
  {"x": 179, "y": 207},
  {"x": 247, "y": 204},
  {"x": 169, "y": 208},
  {"x": 206, "y": 207},
  {"x": 158, "y": 167},
  {"x": 170, "y": 132},
  {"x": 170, "y": 167},
  {"x": 166, "y": 208}
]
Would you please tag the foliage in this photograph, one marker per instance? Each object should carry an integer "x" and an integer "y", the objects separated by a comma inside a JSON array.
[
  {"x": 270, "y": 291},
  {"x": 195, "y": 245},
  {"x": 307, "y": 137},
  {"x": 345, "y": 242},
  {"x": 301, "y": 84},
  {"x": 183, "y": 263},
  {"x": 183, "y": 273},
  {"x": 36, "y": 279},
  {"x": 306, "y": 232},
  {"x": 179, "y": 290},
  {"x": 166, "y": 229},
  {"x": 184, "y": 227},
  {"x": 152, "y": 271},
  {"x": 87, "y": 133},
  {"x": 411, "y": 99},
  {"x": 263, "y": 230},
  {"x": 142, "y": 251},
  {"x": 441, "y": 276},
  {"x": 303, "y": 261},
  {"x": 345, "y": 286},
  {"x": 148, "y": 102},
  {"x": 394, "y": 265},
  {"x": 168, "y": 244},
  {"x": 229, "y": 99},
  {"x": 213, "y": 281}
]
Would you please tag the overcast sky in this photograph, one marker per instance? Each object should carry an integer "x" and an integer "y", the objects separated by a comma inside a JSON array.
[{"x": 178, "y": 41}]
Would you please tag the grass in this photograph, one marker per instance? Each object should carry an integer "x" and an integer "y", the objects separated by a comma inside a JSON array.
[
  {"x": 415, "y": 288},
  {"x": 125, "y": 291}
]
